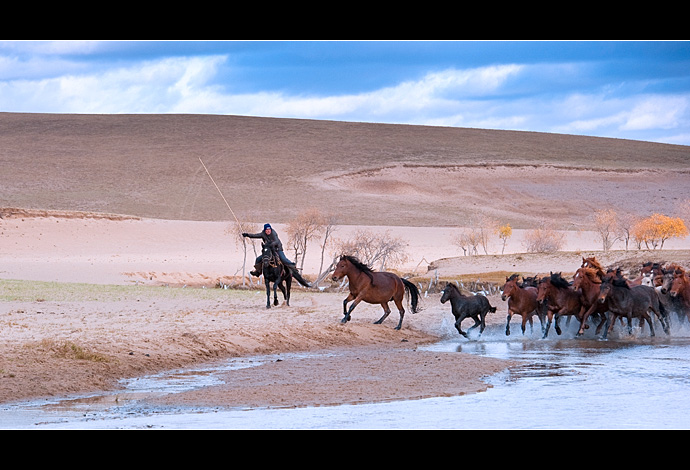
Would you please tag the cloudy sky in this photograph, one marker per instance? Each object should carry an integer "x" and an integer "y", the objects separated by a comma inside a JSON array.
[{"x": 632, "y": 90}]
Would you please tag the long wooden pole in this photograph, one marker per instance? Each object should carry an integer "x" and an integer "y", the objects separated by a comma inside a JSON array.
[{"x": 219, "y": 191}]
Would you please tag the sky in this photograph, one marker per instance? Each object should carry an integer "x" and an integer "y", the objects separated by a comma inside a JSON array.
[{"x": 622, "y": 89}]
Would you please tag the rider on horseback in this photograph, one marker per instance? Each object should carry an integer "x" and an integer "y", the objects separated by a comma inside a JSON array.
[{"x": 271, "y": 240}]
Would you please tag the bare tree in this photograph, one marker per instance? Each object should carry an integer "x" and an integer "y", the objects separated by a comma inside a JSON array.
[
  {"x": 329, "y": 226},
  {"x": 543, "y": 240},
  {"x": 236, "y": 230},
  {"x": 626, "y": 222},
  {"x": 486, "y": 226},
  {"x": 372, "y": 248},
  {"x": 606, "y": 224},
  {"x": 468, "y": 240},
  {"x": 307, "y": 226}
]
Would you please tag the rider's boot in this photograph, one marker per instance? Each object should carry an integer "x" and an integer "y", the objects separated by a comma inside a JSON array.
[{"x": 258, "y": 268}]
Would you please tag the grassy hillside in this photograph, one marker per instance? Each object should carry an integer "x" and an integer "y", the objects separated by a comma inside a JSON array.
[{"x": 268, "y": 169}]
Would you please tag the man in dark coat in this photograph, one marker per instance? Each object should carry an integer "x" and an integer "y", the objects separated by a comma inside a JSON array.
[{"x": 270, "y": 238}]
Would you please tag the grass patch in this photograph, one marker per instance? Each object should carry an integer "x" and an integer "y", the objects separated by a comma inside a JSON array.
[
  {"x": 70, "y": 350},
  {"x": 40, "y": 291}
]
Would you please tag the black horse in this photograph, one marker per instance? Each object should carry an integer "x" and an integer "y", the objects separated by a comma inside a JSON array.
[
  {"x": 464, "y": 306},
  {"x": 274, "y": 271}
]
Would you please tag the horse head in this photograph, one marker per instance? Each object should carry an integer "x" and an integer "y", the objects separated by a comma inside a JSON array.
[
  {"x": 509, "y": 287},
  {"x": 544, "y": 288},
  {"x": 449, "y": 291},
  {"x": 605, "y": 289},
  {"x": 680, "y": 283},
  {"x": 648, "y": 279}
]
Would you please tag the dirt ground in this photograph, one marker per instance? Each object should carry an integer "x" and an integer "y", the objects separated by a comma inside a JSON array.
[{"x": 88, "y": 298}]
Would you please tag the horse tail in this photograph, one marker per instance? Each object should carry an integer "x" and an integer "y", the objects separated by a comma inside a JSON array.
[
  {"x": 414, "y": 294},
  {"x": 299, "y": 278}
]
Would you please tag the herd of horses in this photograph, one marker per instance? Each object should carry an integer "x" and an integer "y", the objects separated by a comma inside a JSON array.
[
  {"x": 595, "y": 295},
  {"x": 659, "y": 293}
]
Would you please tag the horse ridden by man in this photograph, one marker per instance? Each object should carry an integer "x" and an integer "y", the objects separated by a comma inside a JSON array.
[{"x": 275, "y": 266}]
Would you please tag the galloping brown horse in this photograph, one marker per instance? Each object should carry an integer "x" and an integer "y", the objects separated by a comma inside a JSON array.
[
  {"x": 595, "y": 265},
  {"x": 521, "y": 301},
  {"x": 374, "y": 288},
  {"x": 588, "y": 282},
  {"x": 562, "y": 300},
  {"x": 680, "y": 290}
]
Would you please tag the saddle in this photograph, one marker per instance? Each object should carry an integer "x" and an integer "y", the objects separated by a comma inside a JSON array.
[{"x": 271, "y": 259}]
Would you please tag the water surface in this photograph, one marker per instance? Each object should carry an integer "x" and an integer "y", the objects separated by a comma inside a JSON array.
[{"x": 563, "y": 383}]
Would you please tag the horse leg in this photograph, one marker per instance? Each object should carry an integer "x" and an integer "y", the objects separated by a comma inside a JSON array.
[
  {"x": 510, "y": 314},
  {"x": 581, "y": 331},
  {"x": 401, "y": 310},
  {"x": 525, "y": 319},
  {"x": 457, "y": 325},
  {"x": 558, "y": 328},
  {"x": 386, "y": 312},
  {"x": 477, "y": 322},
  {"x": 268, "y": 293},
  {"x": 349, "y": 311},
  {"x": 603, "y": 321},
  {"x": 276, "y": 284},
  {"x": 650, "y": 322},
  {"x": 483, "y": 323},
  {"x": 629, "y": 317},
  {"x": 346, "y": 313},
  {"x": 549, "y": 317},
  {"x": 611, "y": 320},
  {"x": 286, "y": 292}
]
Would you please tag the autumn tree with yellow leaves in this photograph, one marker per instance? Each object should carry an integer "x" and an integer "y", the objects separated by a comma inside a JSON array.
[{"x": 654, "y": 230}]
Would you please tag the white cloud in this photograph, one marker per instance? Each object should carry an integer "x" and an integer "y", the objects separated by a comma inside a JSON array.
[
  {"x": 657, "y": 112},
  {"x": 477, "y": 97}
]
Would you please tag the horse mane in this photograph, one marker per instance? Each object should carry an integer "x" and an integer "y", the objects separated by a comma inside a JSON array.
[
  {"x": 513, "y": 277},
  {"x": 593, "y": 261},
  {"x": 591, "y": 274},
  {"x": 616, "y": 279},
  {"x": 455, "y": 288},
  {"x": 360, "y": 265},
  {"x": 558, "y": 281},
  {"x": 357, "y": 263}
]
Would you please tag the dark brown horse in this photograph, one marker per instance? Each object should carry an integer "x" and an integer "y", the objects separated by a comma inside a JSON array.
[
  {"x": 561, "y": 300},
  {"x": 522, "y": 300},
  {"x": 680, "y": 290},
  {"x": 631, "y": 302},
  {"x": 588, "y": 282},
  {"x": 467, "y": 306},
  {"x": 374, "y": 288}
]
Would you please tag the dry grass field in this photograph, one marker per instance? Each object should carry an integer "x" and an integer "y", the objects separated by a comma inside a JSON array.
[{"x": 368, "y": 174}]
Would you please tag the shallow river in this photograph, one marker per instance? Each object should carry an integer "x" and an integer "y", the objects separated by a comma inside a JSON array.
[{"x": 626, "y": 383}]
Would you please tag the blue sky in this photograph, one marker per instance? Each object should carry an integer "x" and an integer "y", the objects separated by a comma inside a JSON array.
[{"x": 632, "y": 89}]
